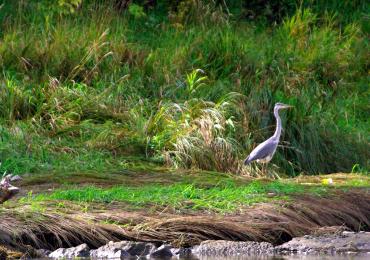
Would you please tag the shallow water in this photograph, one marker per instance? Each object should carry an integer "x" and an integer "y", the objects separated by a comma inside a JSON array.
[{"x": 364, "y": 256}]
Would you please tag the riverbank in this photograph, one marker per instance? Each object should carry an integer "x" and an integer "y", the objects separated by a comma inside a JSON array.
[
  {"x": 327, "y": 242},
  {"x": 184, "y": 210}
]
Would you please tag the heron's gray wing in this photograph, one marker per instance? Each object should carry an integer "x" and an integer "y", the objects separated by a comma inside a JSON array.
[{"x": 263, "y": 150}]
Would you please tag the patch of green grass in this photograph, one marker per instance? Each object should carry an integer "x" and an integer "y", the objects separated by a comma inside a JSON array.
[
  {"x": 220, "y": 198},
  {"x": 358, "y": 183}
]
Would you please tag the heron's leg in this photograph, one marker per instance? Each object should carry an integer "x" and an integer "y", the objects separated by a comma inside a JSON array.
[
  {"x": 274, "y": 175},
  {"x": 266, "y": 170},
  {"x": 267, "y": 173}
]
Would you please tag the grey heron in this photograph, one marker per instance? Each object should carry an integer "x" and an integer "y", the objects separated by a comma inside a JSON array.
[{"x": 264, "y": 152}]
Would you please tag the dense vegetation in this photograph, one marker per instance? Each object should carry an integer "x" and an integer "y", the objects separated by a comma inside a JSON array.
[{"x": 96, "y": 84}]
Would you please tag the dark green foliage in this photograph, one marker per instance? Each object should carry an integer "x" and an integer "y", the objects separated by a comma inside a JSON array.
[{"x": 276, "y": 10}]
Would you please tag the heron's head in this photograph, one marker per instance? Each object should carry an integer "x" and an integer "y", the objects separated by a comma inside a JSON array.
[{"x": 279, "y": 106}]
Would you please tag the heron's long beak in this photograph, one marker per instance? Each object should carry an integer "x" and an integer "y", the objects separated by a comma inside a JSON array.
[{"x": 287, "y": 106}]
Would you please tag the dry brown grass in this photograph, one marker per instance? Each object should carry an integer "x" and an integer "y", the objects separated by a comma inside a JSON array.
[
  {"x": 51, "y": 230},
  {"x": 268, "y": 222},
  {"x": 274, "y": 223},
  {"x": 5, "y": 253}
]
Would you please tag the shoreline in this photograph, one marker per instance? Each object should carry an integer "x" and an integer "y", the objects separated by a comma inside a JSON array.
[{"x": 332, "y": 242}]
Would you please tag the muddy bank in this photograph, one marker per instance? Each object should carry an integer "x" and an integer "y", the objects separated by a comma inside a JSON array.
[{"x": 338, "y": 244}]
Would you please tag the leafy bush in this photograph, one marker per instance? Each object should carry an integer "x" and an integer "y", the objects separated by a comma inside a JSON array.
[{"x": 136, "y": 11}]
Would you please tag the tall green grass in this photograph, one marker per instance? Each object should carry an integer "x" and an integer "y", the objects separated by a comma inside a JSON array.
[{"x": 194, "y": 88}]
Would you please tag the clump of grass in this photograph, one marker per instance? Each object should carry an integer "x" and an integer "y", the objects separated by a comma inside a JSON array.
[
  {"x": 195, "y": 133},
  {"x": 198, "y": 12},
  {"x": 17, "y": 100}
]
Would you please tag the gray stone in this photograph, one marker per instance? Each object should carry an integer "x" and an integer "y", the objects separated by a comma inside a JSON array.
[
  {"x": 111, "y": 250},
  {"x": 333, "y": 243},
  {"x": 123, "y": 250},
  {"x": 222, "y": 248},
  {"x": 7, "y": 190},
  {"x": 42, "y": 253},
  {"x": 181, "y": 252},
  {"x": 348, "y": 233},
  {"x": 139, "y": 248},
  {"x": 162, "y": 252},
  {"x": 109, "y": 253},
  {"x": 78, "y": 251}
]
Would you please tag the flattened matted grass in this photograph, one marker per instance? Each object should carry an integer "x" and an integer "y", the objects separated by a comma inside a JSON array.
[{"x": 272, "y": 222}]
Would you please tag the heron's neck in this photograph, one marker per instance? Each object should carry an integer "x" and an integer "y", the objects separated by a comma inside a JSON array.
[{"x": 278, "y": 124}]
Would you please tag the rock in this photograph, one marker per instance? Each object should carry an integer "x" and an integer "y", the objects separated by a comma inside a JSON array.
[
  {"x": 162, "y": 252},
  {"x": 7, "y": 191},
  {"x": 42, "y": 253},
  {"x": 347, "y": 233},
  {"x": 78, "y": 251},
  {"x": 110, "y": 250},
  {"x": 181, "y": 252},
  {"x": 222, "y": 248},
  {"x": 139, "y": 248},
  {"x": 123, "y": 249},
  {"x": 329, "y": 230},
  {"x": 109, "y": 253},
  {"x": 334, "y": 243}
]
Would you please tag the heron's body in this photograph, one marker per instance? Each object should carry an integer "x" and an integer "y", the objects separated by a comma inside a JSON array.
[{"x": 264, "y": 152}]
